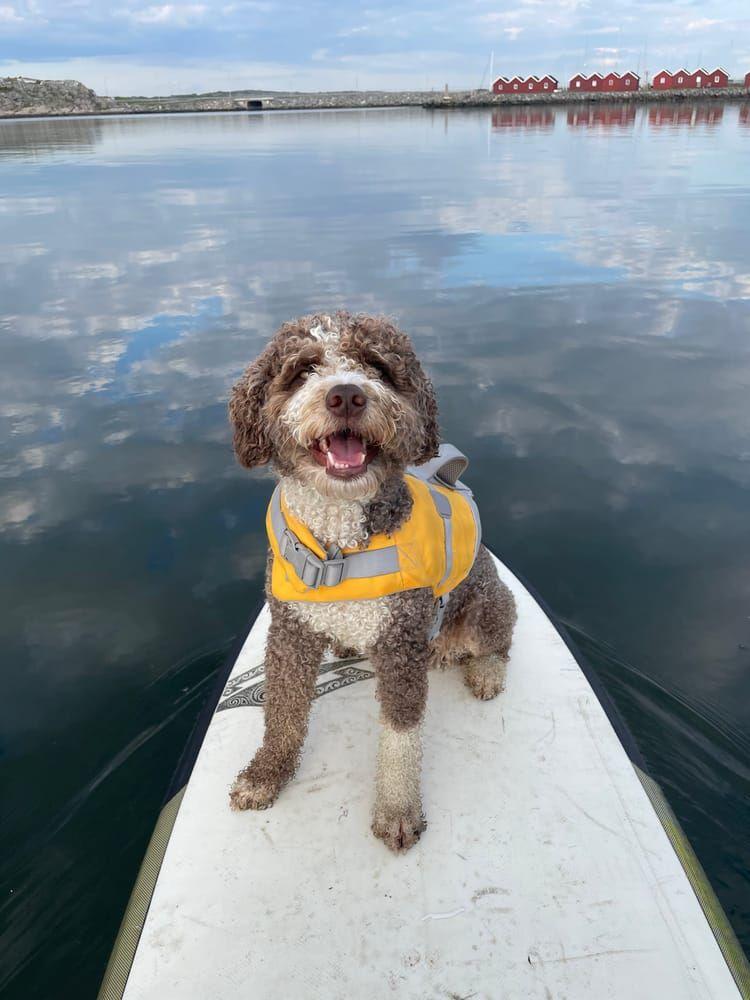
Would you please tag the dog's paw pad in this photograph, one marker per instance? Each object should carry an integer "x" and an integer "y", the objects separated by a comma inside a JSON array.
[
  {"x": 486, "y": 678},
  {"x": 247, "y": 794},
  {"x": 486, "y": 688},
  {"x": 399, "y": 833}
]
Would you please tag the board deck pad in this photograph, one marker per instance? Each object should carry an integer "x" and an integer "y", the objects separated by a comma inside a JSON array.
[{"x": 544, "y": 871}]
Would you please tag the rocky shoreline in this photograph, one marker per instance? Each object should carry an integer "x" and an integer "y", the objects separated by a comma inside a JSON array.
[{"x": 21, "y": 97}]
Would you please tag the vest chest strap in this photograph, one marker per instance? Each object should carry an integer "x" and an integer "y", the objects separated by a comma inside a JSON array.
[{"x": 316, "y": 572}]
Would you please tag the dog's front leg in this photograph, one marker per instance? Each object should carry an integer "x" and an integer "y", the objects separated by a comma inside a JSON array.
[
  {"x": 401, "y": 660},
  {"x": 293, "y": 655}
]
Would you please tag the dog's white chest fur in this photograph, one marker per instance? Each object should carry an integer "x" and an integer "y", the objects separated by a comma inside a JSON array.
[{"x": 352, "y": 624}]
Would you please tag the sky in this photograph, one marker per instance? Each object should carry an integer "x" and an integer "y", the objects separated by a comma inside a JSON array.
[{"x": 150, "y": 48}]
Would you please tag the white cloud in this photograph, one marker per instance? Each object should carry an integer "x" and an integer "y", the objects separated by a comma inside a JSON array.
[
  {"x": 16, "y": 509},
  {"x": 513, "y": 32},
  {"x": 9, "y": 15},
  {"x": 362, "y": 29},
  {"x": 702, "y": 23},
  {"x": 149, "y": 258},
  {"x": 96, "y": 272},
  {"x": 497, "y": 17},
  {"x": 28, "y": 205},
  {"x": 169, "y": 13}
]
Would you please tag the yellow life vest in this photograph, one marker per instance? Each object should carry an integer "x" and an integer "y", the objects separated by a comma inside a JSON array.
[{"x": 436, "y": 547}]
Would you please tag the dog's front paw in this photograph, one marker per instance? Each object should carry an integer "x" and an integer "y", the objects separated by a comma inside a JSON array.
[
  {"x": 399, "y": 830},
  {"x": 249, "y": 793}
]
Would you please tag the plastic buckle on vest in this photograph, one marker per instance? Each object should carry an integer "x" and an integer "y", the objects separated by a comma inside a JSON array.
[
  {"x": 437, "y": 621},
  {"x": 333, "y": 572},
  {"x": 313, "y": 571},
  {"x": 307, "y": 566}
]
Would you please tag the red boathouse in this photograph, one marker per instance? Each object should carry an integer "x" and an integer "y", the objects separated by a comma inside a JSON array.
[
  {"x": 524, "y": 85},
  {"x": 590, "y": 84},
  {"x": 699, "y": 79},
  {"x": 719, "y": 78},
  {"x": 506, "y": 85},
  {"x": 664, "y": 80},
  {"x": 614, "y": 83}
]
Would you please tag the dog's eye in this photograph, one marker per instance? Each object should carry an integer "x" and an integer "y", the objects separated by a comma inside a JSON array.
[
  {"x": 381, "y": 369},
  {"x": 297, "y": 376}
]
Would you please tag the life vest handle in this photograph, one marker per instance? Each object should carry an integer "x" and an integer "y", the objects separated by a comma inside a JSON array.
[{"x": 444, "y": 469}]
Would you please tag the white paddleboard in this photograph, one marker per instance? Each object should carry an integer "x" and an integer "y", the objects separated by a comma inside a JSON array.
[{"x": 551, "y": 866}]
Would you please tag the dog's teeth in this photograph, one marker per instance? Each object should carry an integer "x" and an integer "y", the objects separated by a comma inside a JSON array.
[{"x": 323, "y": 445}]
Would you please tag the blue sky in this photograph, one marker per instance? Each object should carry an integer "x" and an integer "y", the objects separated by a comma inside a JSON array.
[{"x": 158, "y": 48}]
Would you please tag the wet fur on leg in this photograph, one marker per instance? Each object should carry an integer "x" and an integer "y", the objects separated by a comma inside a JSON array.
[
  {"x": 397, "y": 817},
  {"x": 342, "y": 652},
  {"x": 401, "y": 662},
  {"x": 478, "y": 627},
  {"x": 293, "y": 655},
  {"x": 485, "y": 675}
]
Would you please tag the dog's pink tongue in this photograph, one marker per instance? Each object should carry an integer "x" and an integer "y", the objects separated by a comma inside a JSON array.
[{"x": 347, "y": 451}]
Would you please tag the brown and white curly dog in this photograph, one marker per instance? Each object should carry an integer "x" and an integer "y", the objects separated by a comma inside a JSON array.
[{"x": 340, "y": 405}]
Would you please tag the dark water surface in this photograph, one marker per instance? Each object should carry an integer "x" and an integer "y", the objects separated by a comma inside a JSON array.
[{"x": 578, "y": 284}]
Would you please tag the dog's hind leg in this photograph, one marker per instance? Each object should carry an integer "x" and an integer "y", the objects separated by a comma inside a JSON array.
[
  {"x": 485, "y": 675},
  {"x": 401, "y": 659},
  {"x": 293, "y": 655},
  {"x": 478, "y": 628}
]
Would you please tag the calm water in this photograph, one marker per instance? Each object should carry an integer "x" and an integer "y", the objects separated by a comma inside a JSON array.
[{"x": 579, "y": 286}]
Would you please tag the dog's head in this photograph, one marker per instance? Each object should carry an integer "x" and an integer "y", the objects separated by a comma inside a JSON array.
[{"x": 339, "y": 402}]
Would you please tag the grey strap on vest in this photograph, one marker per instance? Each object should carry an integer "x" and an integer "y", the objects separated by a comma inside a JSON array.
[
  {"x": 315, "y": 572},
  {"x": 437, "y": 622},
  {"x": 444, "y": 470},
  {"x": 443, "y": 507}
]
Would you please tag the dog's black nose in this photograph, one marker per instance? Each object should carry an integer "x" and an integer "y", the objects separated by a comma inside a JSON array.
[{"x": 346, "y": 401}]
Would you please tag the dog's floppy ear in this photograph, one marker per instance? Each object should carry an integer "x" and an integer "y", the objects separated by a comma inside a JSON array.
[
  {"x": 252, "y": 442},
  {"x": 378, "y": 335},
  {"x": 426, "y": 405}
]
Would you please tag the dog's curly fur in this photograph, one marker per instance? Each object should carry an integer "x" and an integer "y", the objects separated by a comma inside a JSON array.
[{"x": 278, "y": 410}]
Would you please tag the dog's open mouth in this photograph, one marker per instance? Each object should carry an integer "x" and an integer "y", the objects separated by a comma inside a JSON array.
[{"x": 344, "y": 454}]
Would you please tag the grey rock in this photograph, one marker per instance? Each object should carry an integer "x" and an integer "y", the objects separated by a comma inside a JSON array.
[{"x": 20, "y": 95}]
